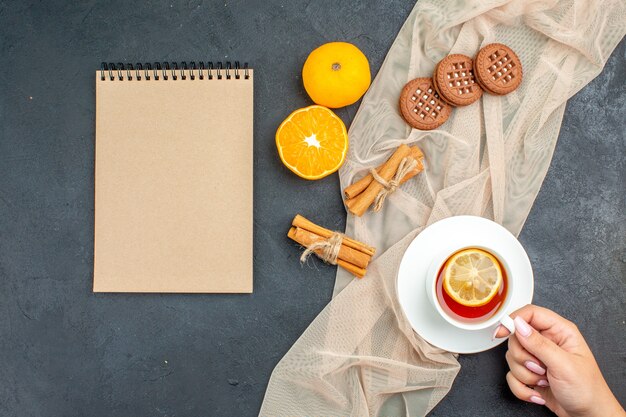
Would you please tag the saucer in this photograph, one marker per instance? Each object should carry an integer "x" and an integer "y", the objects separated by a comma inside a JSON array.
[{"x": 461, "y": 231}]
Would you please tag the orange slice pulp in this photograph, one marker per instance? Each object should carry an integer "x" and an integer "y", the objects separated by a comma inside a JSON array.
[{"x": 312, "y": 142}]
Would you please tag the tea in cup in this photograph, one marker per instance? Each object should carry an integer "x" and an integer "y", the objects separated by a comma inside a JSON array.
[{"x": 471, "y": 287}]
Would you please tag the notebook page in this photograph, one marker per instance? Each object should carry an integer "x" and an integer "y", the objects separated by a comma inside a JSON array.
[{"x": 173, "y": 185}]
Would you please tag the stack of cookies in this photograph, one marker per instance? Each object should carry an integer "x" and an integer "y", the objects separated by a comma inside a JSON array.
[{"x": 426, "y": 103}]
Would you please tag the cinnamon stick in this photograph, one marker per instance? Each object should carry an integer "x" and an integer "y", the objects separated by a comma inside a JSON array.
[
  {"x": 353, "y": 269},
  {"x": 350, "y": 204},
  {"x": 355, "y": 257},
  {"x": 359, "y": 186},
  {"x": 303, "y": 223},
  {"x": 366, "y": 198}
]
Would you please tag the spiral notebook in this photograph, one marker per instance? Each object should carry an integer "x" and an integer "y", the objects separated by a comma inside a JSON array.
[{"x": 173, "y": 178}]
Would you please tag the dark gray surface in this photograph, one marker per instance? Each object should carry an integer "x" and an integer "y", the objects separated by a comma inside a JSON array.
[{"x": 68, "y": 352}]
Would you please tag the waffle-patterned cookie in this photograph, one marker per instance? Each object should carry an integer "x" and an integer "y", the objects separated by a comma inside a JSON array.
[
  {"x": 498, "y": 69},
  {"x": 421, "y": 106},
  {"x": 455, "y": 82}
]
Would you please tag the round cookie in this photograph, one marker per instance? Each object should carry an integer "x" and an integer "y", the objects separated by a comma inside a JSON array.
[
  {"x": 498, "y": 69},
  {"x": 421, "y": 106},
  {"x": 455, "y": 82}
]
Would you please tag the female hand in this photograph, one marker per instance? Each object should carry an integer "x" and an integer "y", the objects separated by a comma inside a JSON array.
[{"x": 551, "y": 364}]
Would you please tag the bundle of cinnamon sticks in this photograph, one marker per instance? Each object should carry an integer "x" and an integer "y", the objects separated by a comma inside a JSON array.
[
  {"x": 362, "y": 194},
  {"x": 352, "y": 255}
]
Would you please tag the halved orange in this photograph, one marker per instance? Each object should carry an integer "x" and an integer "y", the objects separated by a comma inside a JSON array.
[
  {"x": 472, "y": 277},
  {"x": 312, "y": 142}
]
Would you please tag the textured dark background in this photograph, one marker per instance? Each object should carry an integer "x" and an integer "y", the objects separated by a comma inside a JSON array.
[{"x": 67, "y": 352}]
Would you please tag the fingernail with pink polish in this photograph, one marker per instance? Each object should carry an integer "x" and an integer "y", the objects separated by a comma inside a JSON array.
[
  {"x": 522, "y": 327},
  {"x": 543, "y": 383},
  {"x": 495, "y": 332},
  {"x": 537, "y": 400},
  {"x": 533, "y": 367}
]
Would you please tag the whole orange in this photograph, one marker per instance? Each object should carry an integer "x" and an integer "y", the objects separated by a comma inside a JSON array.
[{"x": 336, "y": 74}]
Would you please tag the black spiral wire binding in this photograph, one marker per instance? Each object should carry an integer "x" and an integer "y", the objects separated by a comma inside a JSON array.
[
  {"x": 201, "y": 67},
  {"x": 121, "y": 71},
  {"x": 147, "y": 71},
  {"x": 237, "y": 76},
  {"x": 192, "y": 67},
  {"x": 175, "y": 68},
  {"x": 183, "y": 67},
  {"x": 166, "y": 68}
]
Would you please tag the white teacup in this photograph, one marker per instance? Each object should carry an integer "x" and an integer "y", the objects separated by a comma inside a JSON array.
[{"x": 500, "y": 317}]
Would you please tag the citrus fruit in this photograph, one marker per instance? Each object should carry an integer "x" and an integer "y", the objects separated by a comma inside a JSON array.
[
  {"x": 472, "y": 277},
  {"x": 312, "y": 142},
  {"x": 336, "y": 74}
]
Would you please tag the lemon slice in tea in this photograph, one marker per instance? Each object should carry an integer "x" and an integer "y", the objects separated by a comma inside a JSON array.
[{"x": 472, "y": 277}]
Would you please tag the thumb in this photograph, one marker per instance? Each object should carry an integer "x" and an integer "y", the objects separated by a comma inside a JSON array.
[{"x": 540, "y": 346}]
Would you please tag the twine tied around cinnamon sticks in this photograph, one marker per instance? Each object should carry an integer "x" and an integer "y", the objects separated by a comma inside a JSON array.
[
  {"x": 406, "y": 165},
  {"x": 329, "y": 249},
  {"x": 332, "y": 247},
  {"x": 396, "y": 171}
]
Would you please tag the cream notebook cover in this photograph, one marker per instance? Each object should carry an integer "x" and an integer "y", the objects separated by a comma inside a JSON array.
[{"x": 173, "y": 179}]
